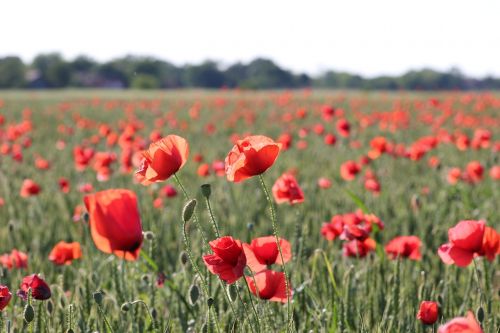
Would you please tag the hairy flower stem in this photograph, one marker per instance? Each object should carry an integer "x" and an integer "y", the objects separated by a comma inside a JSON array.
[
  {"x": 153, "y": 322},
  {"x": 244, "y": 306},
  {"x": 109, "y": 328},
  {"x": 275, "y": 232},
  {"x": 479, "y": 287},
  {"x": 252, "y": 304},
  {"x": 212, "y": 218}
]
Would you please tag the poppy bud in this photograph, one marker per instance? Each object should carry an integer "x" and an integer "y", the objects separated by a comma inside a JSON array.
[
  {"x": 210, "y": 302},
  {"x": 149, "y": 235},
  {"x": 480, "y": 314},
  {"x": 188, "y": 210},
  {"x": 29, "y": 313},
  {"x": 250, "y": 226},
  {"x": 70, "y": 330},
  {"x": 204, "y": 328},
  {"x": 125, "y": 307},
  {"x": 50, "y": 306},
  {"x": 145, "y": 278},
  {"x": 183, "y": 258},
  {"x": 206, "y": 190},
  {"x": 98, "y": 297},
  {"x": 194, "y": 294},
  {"x": 154, "y": 313}
]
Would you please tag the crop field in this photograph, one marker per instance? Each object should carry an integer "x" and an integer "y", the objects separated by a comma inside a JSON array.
[{"x": 240, "y": 211}]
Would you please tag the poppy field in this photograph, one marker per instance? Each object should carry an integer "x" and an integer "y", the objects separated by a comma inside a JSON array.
[{"x": 239, "y": 211}]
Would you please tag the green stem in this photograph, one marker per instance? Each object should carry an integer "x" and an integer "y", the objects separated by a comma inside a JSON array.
[
  {"x": 244, "y": 305},
  {"x": 250, "y": 295},
  {"x": 106, "y": 322},
  {"x": 275, "y": 232},
  {"x": 479, "y": 287},
  {"x": 212, "y": 218},
  {"x": 153, "y": 322}
]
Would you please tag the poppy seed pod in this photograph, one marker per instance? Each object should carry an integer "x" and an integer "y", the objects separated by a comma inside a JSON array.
[
  {"x": 125, "y": 307},
  {"x": 194, "y": 294},
  {"x": 206, "y": 190},
  {"x": 98, "y": 297}
]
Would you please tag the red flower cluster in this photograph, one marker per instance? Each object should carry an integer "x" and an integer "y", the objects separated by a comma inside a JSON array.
[{"x": 355, "y": 229}]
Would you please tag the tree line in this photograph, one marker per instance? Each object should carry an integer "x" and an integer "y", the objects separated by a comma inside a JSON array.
[{"x": 53, "y": 71}]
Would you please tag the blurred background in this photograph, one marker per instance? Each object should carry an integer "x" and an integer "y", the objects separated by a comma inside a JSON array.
[{"x": 385, "y": 44}]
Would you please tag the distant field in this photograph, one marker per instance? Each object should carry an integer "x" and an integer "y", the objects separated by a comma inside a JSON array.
[{"x": 419, "y": 162}]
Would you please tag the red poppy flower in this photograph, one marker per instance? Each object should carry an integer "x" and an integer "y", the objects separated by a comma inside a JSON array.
[
  {"x": 349, "y": 170},
  {"x": 269, "y": 285},
  {"x": 41, "y": 163},
  {"x": 287, "y": 189},
  {"x": 333, "y": 229},
  {"x": 263, "y": 251},
  {"x": 14, "y": 259},
  {"x": 495, "y": 172},
  {"x": 466, "y": 239},
  {"x": 5, "y": 296},
  {"x": 163, "y": 158},
  {"x": 327, "y": 112},
  {"x": 64, "y": 253},
  {"x": 373, "y": 186},
  {"x": 491, "y": 244},
  {"x": 29, "y": 188},
  {"x": 115, "y": 224},
  {"x": 428, "y": 312},
  {"x": 168, "y": 191},
  {"x": 330, "y": 139},
  {"x": 474, "y": 172},
  {"x": 324, "y": 183},
  {"x": 285, "y": 140},
  {"x": 404, "y": 246},
  {"x": 203, "y": 170},
  {"x": 228, "y": 260},
  {"x": 250, "y": 157},
  {"x": 64, "y": 185},
  {"x": 356, "y": 248},
  {"x": 467, "y": 324},
  {"x": 343, "y": 127},
  {"x": 39, "y": 288},
  {"x": 454, "y": 175}
]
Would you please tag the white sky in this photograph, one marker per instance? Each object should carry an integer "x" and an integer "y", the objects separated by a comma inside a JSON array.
[{"x": 370, "y": 37}]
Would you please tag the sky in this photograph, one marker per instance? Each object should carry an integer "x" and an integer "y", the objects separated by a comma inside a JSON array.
[{"x": 369, "y": 37}]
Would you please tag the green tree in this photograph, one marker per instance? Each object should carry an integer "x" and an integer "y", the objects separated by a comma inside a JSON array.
[
  {"x": 53, "y": 70},
  {"x": 12, "y": 71}
]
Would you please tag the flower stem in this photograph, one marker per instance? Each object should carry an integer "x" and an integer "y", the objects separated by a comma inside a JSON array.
[
  {"x": 252, "y": 304},
  {"x": 275, "y": 232},
  {"x": 153, "y": 322},
  {"x": 479, "y": 287},
  {"x": 212, "y": 218}
]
